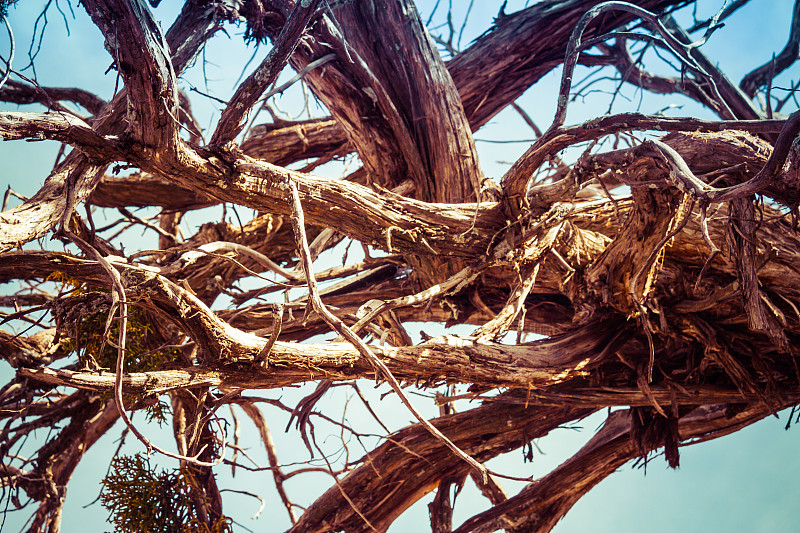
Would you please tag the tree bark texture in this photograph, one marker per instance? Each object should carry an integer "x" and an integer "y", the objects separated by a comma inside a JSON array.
[{"x": 661, "y": 274}]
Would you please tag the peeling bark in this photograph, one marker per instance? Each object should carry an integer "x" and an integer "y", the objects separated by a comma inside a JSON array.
[{"x": 678, "y": 298}]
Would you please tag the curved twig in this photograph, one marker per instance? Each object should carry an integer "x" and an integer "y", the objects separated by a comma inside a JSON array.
[
  {"x": 212, "y": 248},
  {"x": 119, "y": 300},
  {"x": 340, "y": 327},
  {"x": 453, "y": 284},
  {"x": 778, "y": 63},
  {"x": 575, "y": 46},
  {"x": 555, "y": 140},
  {"x": 684, "y": 178},
  {"x": 10, "y": 54}
]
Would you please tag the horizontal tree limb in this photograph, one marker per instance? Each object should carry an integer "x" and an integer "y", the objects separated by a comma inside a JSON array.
[
  {"x": 61, "y": 127},
  {"x": 21, "y": 93}
]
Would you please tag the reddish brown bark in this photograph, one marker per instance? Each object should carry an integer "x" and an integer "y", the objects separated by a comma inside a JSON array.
[{"x": 678, "y": 301}]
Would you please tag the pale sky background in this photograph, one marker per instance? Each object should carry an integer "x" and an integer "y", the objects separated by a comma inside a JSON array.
[{"x": 749, "y": 481}]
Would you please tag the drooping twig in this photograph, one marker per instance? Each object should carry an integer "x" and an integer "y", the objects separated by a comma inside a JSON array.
[
  {"x": 266, "y": 438},
  {"x": 313, "y": 292},
  {"x": 119, "y": 301}
]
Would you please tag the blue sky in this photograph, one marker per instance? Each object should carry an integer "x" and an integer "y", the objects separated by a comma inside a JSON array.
[{"x": 745, "y": 482}]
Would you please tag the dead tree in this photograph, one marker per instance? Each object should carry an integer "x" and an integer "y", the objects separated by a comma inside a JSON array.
[{"x": 661, "y": 272}]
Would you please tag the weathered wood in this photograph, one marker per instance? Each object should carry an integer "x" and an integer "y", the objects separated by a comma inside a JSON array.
[{"x": 679, "y": 299}]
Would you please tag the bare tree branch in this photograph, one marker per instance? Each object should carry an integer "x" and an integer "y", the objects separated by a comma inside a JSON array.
[
  {"x": 141, "y": 55},
  {"x": 785, "y": 58},
  {"x": 234, "y": 116}
]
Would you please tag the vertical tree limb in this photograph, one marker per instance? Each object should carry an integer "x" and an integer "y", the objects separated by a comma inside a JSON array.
[
  {"x": 141, "y": 55},
  {"x": 234, "y": 116}
]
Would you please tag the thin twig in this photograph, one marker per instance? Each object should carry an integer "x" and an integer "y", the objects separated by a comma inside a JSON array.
[
  {"x": 298, "y": 225},
  {"x": 7, "y": 72},
  {"x": 212, "y": 248},
  {"x": 133, "y": 218},
  {"x": 575, "y": 46},
  {"x": 277, "y": 317},
  {"x": 119, "y": 300},
  {"x": 453, "y": 284},
  {"x": 272, "y": 456}
]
